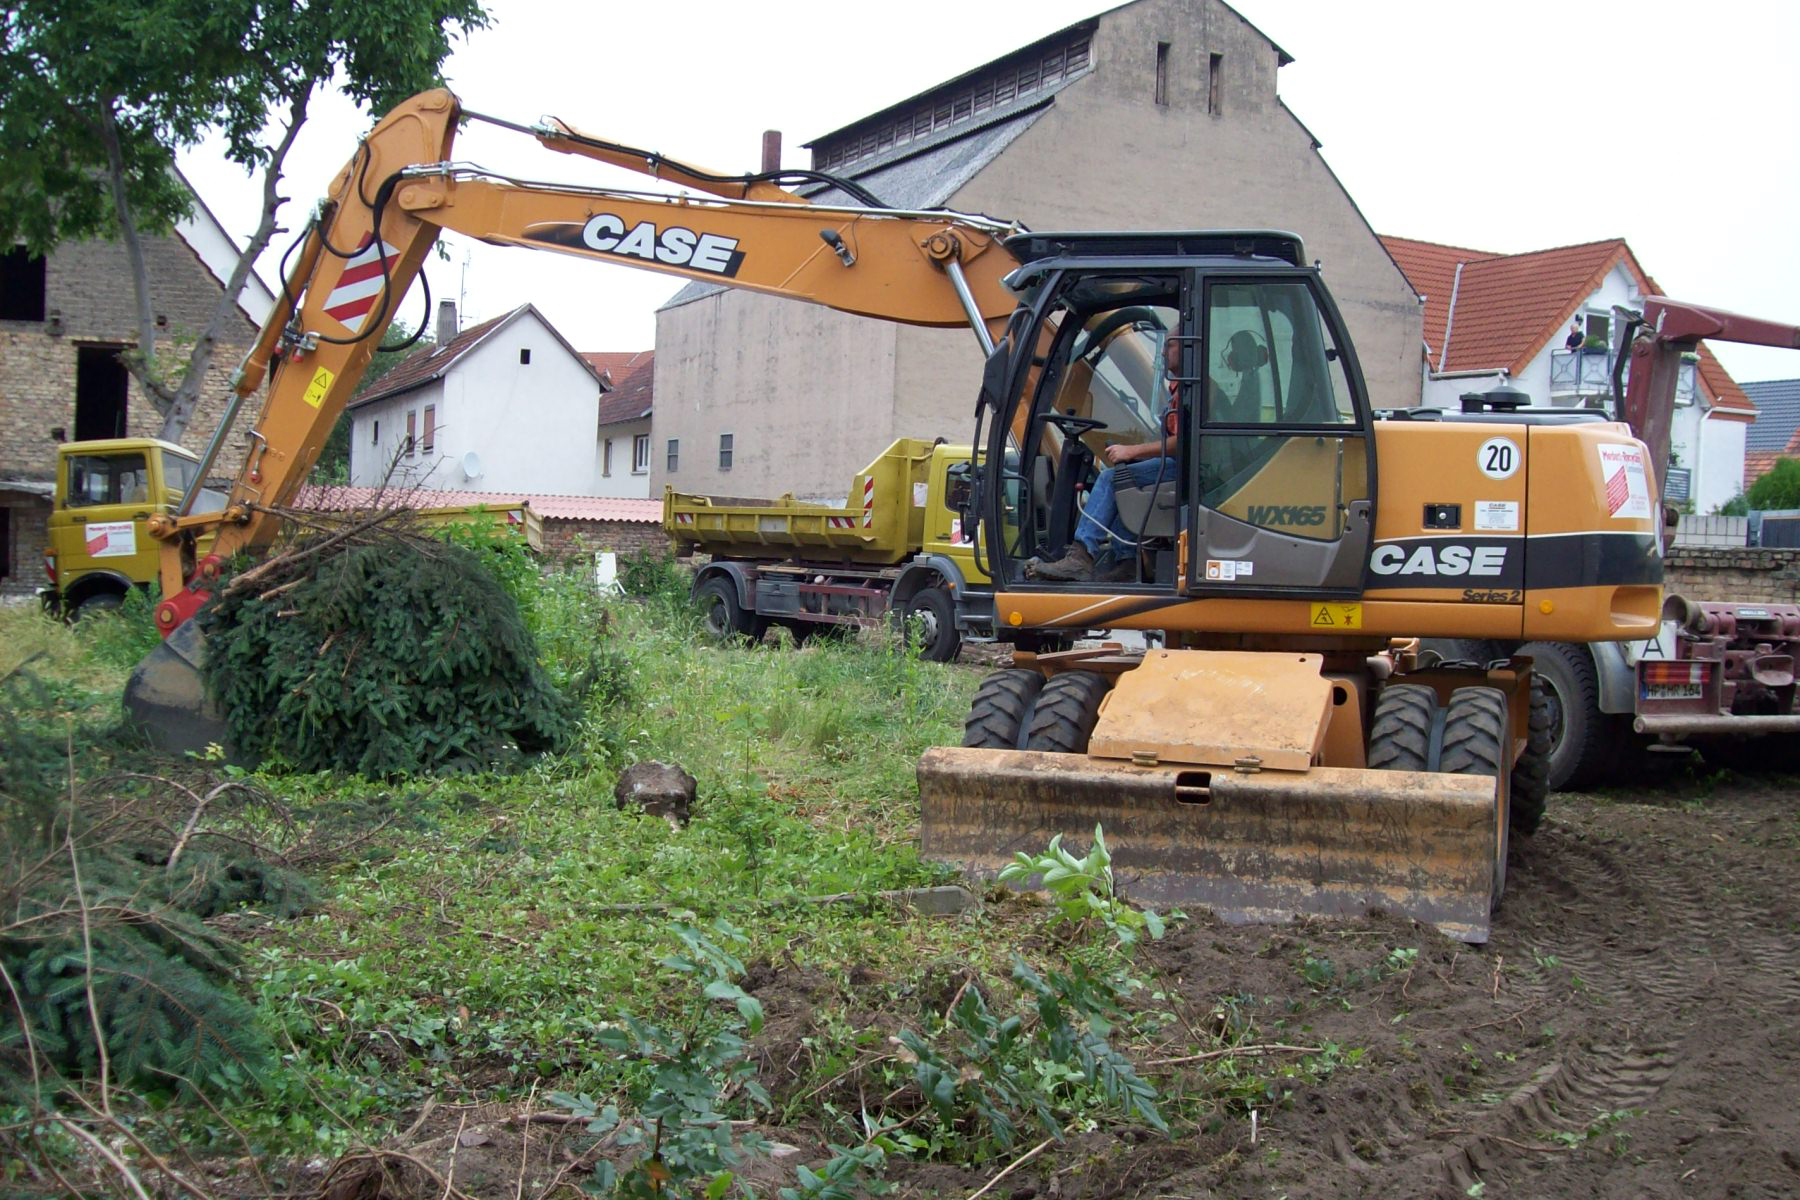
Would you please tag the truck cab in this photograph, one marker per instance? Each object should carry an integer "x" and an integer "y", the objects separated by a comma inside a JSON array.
[{"x": 106, "y": 491}]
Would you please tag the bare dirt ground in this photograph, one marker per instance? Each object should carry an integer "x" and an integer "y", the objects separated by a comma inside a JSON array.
[{"x": 1632, "y": 1030}]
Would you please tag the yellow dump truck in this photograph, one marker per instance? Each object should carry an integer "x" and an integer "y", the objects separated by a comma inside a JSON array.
[
  {"x": 896, "y": 547},
  {"x": 106, "y": 492}
]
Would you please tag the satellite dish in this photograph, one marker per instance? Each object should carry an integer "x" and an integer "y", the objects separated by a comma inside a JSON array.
[{"x": 471, "y": 465}]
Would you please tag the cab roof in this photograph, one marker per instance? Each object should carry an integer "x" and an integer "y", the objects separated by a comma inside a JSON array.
[
  {"x": 112, "y": 445},
  {"x": 1208, "y": 243}
]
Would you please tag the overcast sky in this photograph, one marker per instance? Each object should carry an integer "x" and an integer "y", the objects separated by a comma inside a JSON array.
[{"x": 1504, "y": 127}]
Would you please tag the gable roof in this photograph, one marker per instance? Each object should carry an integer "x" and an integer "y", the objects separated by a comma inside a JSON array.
[
  {"x": 629, "y": 375},
  {"x": 431, "y": 363},
  {"x": 219, "y": 253},
  {"x": 1777, "y": 414},
  {"x": 1505, "y": 308}
]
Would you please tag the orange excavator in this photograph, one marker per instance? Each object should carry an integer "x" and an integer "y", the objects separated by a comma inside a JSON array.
[{"x": 1278, "y": 746}]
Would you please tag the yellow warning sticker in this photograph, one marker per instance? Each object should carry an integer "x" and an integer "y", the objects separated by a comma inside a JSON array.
[
  {"x": 1337, "y": 616},
  {"x": 321, "y": 383}
]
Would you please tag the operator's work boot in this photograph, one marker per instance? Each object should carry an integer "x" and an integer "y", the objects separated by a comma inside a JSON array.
[
  {"x": 1075, "y": 564},
  {"x": 1119, "y": 570}
]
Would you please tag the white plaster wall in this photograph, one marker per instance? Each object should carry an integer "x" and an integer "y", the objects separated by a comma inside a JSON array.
[
  {"x": 1718, "y": 461},
  {"x": 532, "y": 425},
  {"x": 623, "y": 482},
  {"x": 378, "y": 436}
]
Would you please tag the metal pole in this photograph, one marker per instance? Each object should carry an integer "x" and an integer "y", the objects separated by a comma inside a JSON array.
[
  {"x": 212, "y": 453},
  {"x": 953, "y": 269}
]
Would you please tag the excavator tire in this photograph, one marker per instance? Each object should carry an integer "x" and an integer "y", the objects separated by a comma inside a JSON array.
[
  {"x": 1531, "y": 774},
  {"x": 1001, "y": 709},
  {"x": 1584, "y": 740},
  {"x": 1400, "y": 734},
  {"x": 1476, "y": 742},
  {"x": 1066, "y": 711}
]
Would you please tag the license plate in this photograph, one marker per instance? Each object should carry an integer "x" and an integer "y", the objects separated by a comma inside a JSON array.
[{"x": 1671, "y": 691}]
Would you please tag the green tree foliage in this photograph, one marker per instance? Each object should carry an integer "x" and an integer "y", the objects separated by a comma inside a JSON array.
[
  {"x": 391, "y": 657},
  {"x": 1779, "y": 488},
  {"x": 105, "y": 91}
]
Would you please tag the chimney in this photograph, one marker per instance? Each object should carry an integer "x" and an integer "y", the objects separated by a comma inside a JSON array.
[
  {"x": 771, "y": 150},
  {"x": 446, "y": 321}
]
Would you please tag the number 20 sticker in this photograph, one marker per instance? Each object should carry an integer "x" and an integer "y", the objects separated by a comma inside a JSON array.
[{"x": 1499, "y": 458}]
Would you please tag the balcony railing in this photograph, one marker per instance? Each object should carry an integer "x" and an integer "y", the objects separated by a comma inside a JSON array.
[{"x": 1589, "y": 373}]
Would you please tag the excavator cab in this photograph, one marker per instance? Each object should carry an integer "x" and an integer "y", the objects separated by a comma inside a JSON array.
[{"x": 1238, "y": 352}]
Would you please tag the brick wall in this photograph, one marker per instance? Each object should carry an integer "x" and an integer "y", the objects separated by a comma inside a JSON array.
[
  {"x": 564, "y": 539},
  {"x": 28, "y": 534},
  {"x": 1744, "y": 574},
  {"x": 88, "y": 285}
]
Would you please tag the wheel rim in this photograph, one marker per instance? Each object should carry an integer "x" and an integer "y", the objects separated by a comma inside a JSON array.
[
  {"x": 928, "y": 625},
  {"x": 1555, "y": 705},
  {"x": 717, "y": 622}
]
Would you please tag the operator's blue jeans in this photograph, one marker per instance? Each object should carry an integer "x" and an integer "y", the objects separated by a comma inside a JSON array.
[{"x": 1101, "y": 512}]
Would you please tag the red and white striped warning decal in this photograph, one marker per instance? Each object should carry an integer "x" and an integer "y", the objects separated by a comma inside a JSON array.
[
  {"x": 839, "y": 523},
  {"x": 869, "y": 503},
  {"x": 359, "y": 285},
  {"x": 684, "y": 518}
]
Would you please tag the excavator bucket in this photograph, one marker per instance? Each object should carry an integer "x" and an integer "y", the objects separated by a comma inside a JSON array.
[
  {"x": 166, "y": 695},
  {"x": 1200, "y": 768},
  {"x": 1266, "y": 846}
]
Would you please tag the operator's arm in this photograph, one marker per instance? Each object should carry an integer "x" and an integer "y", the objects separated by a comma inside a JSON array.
[{"x": 1120, "y": 453}]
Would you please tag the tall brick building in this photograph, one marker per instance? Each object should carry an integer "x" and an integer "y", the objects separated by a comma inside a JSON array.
[{"x": 63, "y": 320}]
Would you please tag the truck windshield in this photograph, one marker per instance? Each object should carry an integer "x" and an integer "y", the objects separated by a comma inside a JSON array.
[
  {"x": 179, "y": 473},
  {"x": 107, "y": 479}
]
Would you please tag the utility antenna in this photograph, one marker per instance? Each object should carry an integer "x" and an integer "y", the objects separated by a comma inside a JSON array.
[{"x": 462, "y": 290}]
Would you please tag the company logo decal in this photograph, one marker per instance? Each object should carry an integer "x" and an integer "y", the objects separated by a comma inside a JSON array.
[
  {"x": 671, "y": 245},
  {"x": 1427, "y": 558}
]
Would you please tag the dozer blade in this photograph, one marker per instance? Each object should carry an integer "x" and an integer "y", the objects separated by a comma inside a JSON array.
[
  {"x": 1331, "y": 841},
  {"x": 166, "y": 695}
]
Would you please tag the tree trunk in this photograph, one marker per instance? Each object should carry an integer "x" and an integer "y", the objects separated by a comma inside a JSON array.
[
  {"x": 138, "y": 361},
  {"x": 181, "y": 409}
]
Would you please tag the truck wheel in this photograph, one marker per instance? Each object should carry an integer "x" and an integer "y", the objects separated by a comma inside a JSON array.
[
  {"x": 1066, "y": 711},
  {"x": 724, "y": 616},
  {"x": 1476, "y": 743},
  {"x": 1531, "y": 774},
  {"x": 934, "y": 614},
  {"x": 95, "y": 603},
  {"x": 1001, "y": 708},
  {"x": 1400, "y": 734},
  {"x": 1581, "y": 736}
]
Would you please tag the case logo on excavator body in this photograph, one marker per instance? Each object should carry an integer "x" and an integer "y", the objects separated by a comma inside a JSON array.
[
  {"x": 675, "y": 246},
  {"x": 1428, "y": 558}
]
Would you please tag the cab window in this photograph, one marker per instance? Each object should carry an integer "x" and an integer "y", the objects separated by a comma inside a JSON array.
[{"x": 107, "y": 479}]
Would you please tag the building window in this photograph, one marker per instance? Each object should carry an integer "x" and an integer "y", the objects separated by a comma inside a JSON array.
[
  {"x": 674, "y": 454},
  {"x": 375, "y": 433},
  {"x": 21, "y": 285},
  {"x": 640, "y": 454},
  {"x": 430, "y": 428},
  {"x": 102, "y": 390},
  {"x": 1215, "y": 64},
  {"x": 1162, "y": 73},
  {"x": 525, "y": 356},
  {"x": 724, "y": 452},
  {"x": 606, "y": 458},
  {"x": 412, "y": 432}
]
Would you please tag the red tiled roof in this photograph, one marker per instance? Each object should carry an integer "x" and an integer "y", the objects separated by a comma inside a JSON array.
[
  {"x": 1431, "y": 270},
  {"x": 313, "y": 498},
  {"x": 631, "y": 376},
  {"x": 1510, "y": 306}
]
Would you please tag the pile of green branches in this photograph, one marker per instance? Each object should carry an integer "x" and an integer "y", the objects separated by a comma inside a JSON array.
[
  {"x": 108, "y": 970},
  {"x": 380, "y": 651}
]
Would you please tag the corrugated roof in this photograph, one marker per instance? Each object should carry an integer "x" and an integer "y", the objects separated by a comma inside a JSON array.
[
  {"x": 1508, "y": 307},
  {"x": 629, "y": 375},
  {"x": 922, "y": 175},
  {"x": 424, "y": 366},
  {"x": 313, "y": 498},
  {"x": 1777, "y": 413}
]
